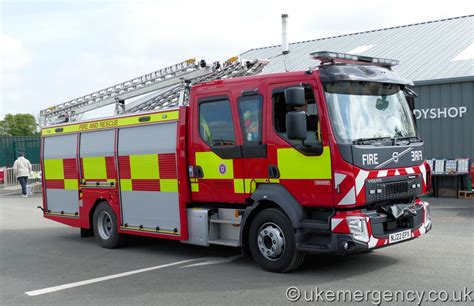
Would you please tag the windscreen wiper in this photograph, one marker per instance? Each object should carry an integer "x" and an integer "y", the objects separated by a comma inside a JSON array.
[
  {"x": 365, "y": 141},
  {"x": 410, "y": 139}
]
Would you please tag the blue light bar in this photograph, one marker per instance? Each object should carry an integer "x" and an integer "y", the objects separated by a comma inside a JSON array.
[{"x": 328, "y": 56}]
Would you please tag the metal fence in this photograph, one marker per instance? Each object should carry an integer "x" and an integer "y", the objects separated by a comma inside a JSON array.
[
  {"x": 12, "y": 146},
  {"x": 10, "y": 178}
]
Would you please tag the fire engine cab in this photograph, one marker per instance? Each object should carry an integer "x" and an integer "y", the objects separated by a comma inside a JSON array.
[{"x": 319, "y": 161}]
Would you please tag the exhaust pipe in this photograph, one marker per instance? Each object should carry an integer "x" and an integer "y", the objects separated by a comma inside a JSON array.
[{"x": 284, "y": 34}]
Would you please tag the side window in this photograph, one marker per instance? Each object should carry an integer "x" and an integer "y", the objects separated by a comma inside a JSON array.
[
  {"x": 250, "y": 112},
  {"x": 280, "y": 108},
  {"x": 215, "y": 123}
]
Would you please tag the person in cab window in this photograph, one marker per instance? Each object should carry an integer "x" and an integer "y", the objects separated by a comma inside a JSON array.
[
  {"x": 205, "y": 131},
  {"x": 251, "y": 126}
]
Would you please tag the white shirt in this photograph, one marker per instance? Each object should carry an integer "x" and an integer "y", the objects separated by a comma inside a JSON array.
[{"x": 22, "y": 167}]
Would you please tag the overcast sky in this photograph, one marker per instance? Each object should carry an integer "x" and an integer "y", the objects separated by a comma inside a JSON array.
[{"x": 53, "y": 51}]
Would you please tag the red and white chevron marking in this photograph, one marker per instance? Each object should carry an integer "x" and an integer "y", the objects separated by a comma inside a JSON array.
[{"x": 351, "y": 189}]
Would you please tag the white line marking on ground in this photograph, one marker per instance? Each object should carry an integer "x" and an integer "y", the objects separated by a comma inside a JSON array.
[
  {"x": 213, "y": 261},
  {"x": 104, "y": 278}
]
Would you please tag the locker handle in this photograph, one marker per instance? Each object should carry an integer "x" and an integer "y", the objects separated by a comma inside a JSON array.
[{"x": 273, "y": 171}]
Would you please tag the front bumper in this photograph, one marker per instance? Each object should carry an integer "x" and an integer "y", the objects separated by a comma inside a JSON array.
[{"x": 339, "y": 240}]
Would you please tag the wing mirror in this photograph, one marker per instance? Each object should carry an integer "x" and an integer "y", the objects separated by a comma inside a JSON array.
[
  {"x": 296, "y": 126},
  {"x": 294, "y": 96}
]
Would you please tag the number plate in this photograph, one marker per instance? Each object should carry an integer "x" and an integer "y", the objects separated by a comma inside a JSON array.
[{"x": 400, "y": 236}]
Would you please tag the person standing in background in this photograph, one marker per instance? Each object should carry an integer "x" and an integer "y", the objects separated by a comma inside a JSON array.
[{"x": 22, "y": 169}]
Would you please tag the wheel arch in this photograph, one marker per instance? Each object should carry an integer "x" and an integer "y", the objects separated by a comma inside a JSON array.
[
  {"x": 92, "y": 210},
  {"x": 269, "y": 196}
]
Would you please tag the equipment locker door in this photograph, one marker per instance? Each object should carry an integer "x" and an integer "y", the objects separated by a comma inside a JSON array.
[
  {"x": 215, "y": 152},
  {"x": 61, "y": 174},
  {"x": 148, "y": 178}
]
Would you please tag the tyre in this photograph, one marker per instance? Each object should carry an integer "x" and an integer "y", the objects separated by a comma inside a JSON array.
[
  {"x": 106, "y": 227},
  {"x": 272, "y": 242}
]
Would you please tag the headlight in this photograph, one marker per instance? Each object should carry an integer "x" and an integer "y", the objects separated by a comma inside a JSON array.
[
  {"x": 358, "y": 228},
  {"x": 427, "y": 210}
]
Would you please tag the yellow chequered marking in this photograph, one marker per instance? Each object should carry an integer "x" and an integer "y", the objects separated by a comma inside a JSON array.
[
  {"x": 111, "y": 123},
  {"x": 169, "y": 185},
  {"x": 239, "y": 186},
  {"x": 94, "y": 167},
  {"x": 71, "y": 184},
  {"x": 144, "y": 166},
  {"x": 194, "y": 187},
  {"x": 250, "y": 185},
  {"x": 126, "y": 184},
  {"x": 211, "y": 165},
  {"x": 295, "y": 165},
  {"x": 53, "y": 169}
]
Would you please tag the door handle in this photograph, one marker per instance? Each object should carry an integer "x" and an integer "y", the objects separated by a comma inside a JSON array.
[
  {"x": 195, "y": 172},
  {"x": 273, "y": 171}
]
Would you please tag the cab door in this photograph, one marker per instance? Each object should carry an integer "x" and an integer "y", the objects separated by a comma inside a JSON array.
[
  {"x": 254, "y": 148},
  {"x": 215, "y": 169},
  {"x": 306, "y": 175}
]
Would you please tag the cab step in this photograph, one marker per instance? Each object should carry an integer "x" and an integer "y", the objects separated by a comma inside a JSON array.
[
  {"x": 226, "y": 242},
  {"x": 317, "y": 225},
  {"x": 224, "y": 221}
]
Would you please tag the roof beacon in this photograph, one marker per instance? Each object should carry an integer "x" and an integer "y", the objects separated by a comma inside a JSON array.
[{"x": 337, "y": 57}]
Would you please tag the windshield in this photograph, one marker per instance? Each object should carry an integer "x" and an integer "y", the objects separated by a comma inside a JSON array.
[{"x": 363, "y": 110}]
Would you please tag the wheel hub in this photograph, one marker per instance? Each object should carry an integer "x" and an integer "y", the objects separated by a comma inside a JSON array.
[
  {"x": 271, "y": 241},
  {"x": 104, "y": 224}
]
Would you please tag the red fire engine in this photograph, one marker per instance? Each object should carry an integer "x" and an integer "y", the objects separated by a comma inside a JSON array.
[{"x": 319, "y": 161}]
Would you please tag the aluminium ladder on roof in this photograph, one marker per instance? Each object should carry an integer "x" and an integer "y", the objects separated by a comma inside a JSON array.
[
  {"x": 173, "y": 81},
  {"x": 132, "y": 88},
  {"x": 179, "y": 95}
]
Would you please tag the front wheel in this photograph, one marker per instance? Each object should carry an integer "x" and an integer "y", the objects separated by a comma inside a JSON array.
[
  {"x": 105, "y": 227},
  {"x": 272, "y": 242}
]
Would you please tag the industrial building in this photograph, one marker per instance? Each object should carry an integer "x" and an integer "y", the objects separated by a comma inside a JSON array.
[{"x": 438, "y": 56}]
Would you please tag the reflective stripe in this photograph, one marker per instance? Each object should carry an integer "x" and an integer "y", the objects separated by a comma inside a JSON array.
[
  {"x": 215, "y": 167},
  {"x": 295, "y": 165},
  {"x": 111, "y": 123},
  {"x": 239, "y": 186},
  {"x": 126, "y": 184},
  {"x": 194, "y": 187},
  {"x": 169, "y": 185},
  {"x": 71, "y": 184},
  {"x": 94, "y": 168},
  {"x": 144, "y": 166},
  {"x": 53, "y": 169},
  {"x": 249, "y": 185}
]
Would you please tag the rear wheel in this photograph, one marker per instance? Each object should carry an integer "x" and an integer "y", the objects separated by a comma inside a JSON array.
[
  {"x": 272, "y": 242},
  {"x": 105, "y": 227}
]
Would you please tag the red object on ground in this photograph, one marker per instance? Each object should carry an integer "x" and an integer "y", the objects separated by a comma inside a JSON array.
[
  {"x": 472, "y": 176},
  {"x": 2, "y": 175}
]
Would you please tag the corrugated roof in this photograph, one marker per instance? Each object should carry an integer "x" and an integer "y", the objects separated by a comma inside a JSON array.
[{"x": 426, "y": 51}]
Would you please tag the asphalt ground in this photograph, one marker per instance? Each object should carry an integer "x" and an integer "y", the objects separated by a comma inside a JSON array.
[{"x": 36, "y": 253}]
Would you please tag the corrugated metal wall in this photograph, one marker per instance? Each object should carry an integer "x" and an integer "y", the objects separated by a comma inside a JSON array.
[
  {"x": 446, "y": 119},
  {"x": 10, "y": 147}
]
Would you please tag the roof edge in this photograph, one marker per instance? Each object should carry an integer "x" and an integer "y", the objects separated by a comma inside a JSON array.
[
  {"x": 469, "y": 78},
  {"x": 363, "y": 32}
]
